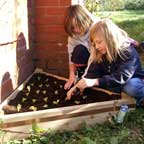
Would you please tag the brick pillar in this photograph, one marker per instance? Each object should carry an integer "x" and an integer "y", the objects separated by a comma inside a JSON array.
[{"x": 51, "y": 40}]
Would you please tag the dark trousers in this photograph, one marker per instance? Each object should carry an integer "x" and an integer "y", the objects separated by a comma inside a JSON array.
[{"x": 80, "y": 58}]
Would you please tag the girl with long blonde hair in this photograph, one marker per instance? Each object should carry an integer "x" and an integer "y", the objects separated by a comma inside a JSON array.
[{"x": 113, "y": 63}]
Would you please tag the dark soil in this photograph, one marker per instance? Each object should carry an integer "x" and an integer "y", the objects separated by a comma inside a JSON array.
[{"x": 45, "y": 92}]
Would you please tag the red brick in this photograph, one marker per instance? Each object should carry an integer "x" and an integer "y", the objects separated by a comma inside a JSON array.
[
  {"x": 55, "y": 10},
  {"x": 55, "y": 46},
  {"x": 49, "y": 20},
  {"x": 54, "y": 67},
  {"x": 49, "y": 37},
  {"x": 51, "y": 52},
  {"x": 50, "y": 29},
  {"x": 65, "y": 2},
  {"x": 47, "y": 2},
  {"x": 40, "y": 12}
]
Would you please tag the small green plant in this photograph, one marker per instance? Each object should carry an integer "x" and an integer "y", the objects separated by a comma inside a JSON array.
[
  {"x": 18, "y": 107},
  {"x": 27, "y": 93},
  {"x": 77, "y": 102},
  {"x": 28, "y": 88},
  {"x": 2, "y": 135},
  {"x": 61, "y": 86},
  {"x": 56, "y": 101},
  {"x": 39, "y": 78},
  {"x": 84, "y": 97},
  {"x": 46, "y": 99},
  {"x": 47, "y": 80},
  {"x": 33, "y": 108},
  {"x": 130, "y": 132},
  {"x": 23, "y": 99},
  {"x": 32, "y": 84},
  {"x": 34, "y": 100},
  {"x": 47, "y": 85},
  {"x": 45, "y": 106},
  {"x": 56, "y": 92},
  {"x": 40, "y": 85},
  {"x": 44, "y": 91},
  {"x": 37, "y": 92}
]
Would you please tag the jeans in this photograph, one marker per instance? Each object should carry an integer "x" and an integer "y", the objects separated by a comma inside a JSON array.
[{"x": 135, "y": 88}]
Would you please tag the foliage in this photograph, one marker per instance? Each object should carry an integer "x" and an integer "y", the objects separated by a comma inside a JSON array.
[
  {"x": 130, "y": 21},
  {"x": 130, "y": 132},
  {"x": 134, "y": 4},
  {"x": 113, "y": 5},
  {"x": 92, "y": 5}
]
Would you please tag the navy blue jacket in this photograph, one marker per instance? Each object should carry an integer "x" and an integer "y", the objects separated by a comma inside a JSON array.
[{"x": 118, "y": 72}]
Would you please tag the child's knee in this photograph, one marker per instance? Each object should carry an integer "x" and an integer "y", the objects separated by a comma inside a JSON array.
[
  {"x": 80, "y": 55},
  {"x": 130, "y": 87},
  {"x": 133, "y": 87}
]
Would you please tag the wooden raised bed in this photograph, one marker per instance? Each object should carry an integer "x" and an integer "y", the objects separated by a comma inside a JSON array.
[{"x": 63, "y": 118}]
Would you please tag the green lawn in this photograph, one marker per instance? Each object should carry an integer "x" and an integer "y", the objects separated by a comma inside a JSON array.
[{"x": 130, "y": 21}]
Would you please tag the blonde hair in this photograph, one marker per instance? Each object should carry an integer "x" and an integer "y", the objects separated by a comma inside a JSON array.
[
  {"x": 116, "y": 39},
  {"x": 80, "y": 15}
]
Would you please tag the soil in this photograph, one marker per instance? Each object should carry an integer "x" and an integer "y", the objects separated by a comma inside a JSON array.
[{"x": 46, "y": 92}]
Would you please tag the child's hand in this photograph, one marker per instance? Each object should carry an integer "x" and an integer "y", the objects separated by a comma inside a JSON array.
[
  {"x": 76, "y": 90},
  {"x": 70, "y": 93},
  {"x": 69, "y": 83}
]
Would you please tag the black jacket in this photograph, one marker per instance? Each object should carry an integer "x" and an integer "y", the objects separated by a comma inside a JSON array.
[{"x": 116, "y": 73}]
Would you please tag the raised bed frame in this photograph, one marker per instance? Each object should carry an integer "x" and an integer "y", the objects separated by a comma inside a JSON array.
[{"x": 64, "y": 118}]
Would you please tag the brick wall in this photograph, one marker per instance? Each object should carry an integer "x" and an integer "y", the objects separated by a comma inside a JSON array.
[
  {"x": 51, "y": 40},
  {"x": 16, "y": 53}
]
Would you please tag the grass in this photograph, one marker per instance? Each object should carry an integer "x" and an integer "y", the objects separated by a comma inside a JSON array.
[
  {"x": 130, "y": 21},
  {"x": 130, "y": 132}
]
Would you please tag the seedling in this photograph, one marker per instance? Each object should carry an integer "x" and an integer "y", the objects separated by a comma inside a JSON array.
[
  {"x": 45, "y": 106},
  {"x": 40, "y": 85},
  {"x": 24, "y": 99},
  {"x": 47, "y": 85},
  {"x": 27, "y": 93},
  {"x": 32, "y": 84},
  {"x": 84, "y": 97},
  {"x": 19, "y": 107},
  {"x": 47, "y": 80},
  {"x": 44, "y": 91},
  {"x": 56, "y": 102},
  {"x": 34, "y": 100},
  {"x": 38, "y": 78},
  {"x": 33, "y": 108},
  {"x": 77, "y": 102},
  {"x": 61, "y": 86},
  {"x": 28, "y": 88},
  {"x": 37, "y": 91},
  {"x": 46, "y": 99},
  {"x": 56, "y": 92}
]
